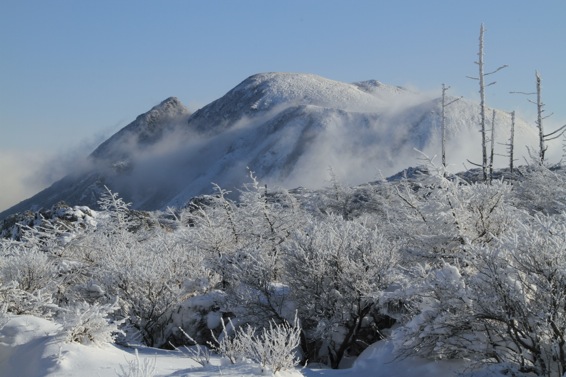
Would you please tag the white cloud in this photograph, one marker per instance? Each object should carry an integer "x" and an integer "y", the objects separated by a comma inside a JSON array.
[
  {"x": 22, "y": 175},
  {"x": 25, "y": 172}
]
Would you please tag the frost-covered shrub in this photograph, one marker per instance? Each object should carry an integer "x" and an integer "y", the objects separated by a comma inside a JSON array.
[
  {"x": 88, "y": 324},
  {"x": 520, "y": 296},
  {"x": 440, "y": 215},
  {"x": 353, "y": 202},
  {"x": 274, "y": 347},
  {"x": 541, "y": 190},
  {"x": 228, "y": 344},
  {"x": 256, "y": 295},
  {"x": 507, "y": 305},
  {"x": 217, "y": 232},
  {"x": 151, "y": 279},
  {"x": 337, "y": 271},
  {"x": 149, "y": 270},
  {"x": 17, "y": 301},
  {"x": 30, "y": 269},
  {"x": 440, "y": 322},
  {"x": 242, "y": 242},
  {"x": 145, "y": 290},
  {"x": 28, "y": 278}
]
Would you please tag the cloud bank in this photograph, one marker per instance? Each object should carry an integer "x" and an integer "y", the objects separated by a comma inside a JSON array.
[{"x": 22, "y": 175}]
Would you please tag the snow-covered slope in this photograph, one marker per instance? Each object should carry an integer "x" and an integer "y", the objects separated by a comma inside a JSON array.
[
  {"x": 288, "y": 128},
  {"x": 32, "y": 347}
]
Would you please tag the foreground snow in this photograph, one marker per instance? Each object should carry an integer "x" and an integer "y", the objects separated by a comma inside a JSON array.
[{"x": 32, "y": 347}]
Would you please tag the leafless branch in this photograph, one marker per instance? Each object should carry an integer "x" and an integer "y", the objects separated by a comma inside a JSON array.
[
  {"x": 497, "y": 70},
  {"x": 524, "y": 93}
]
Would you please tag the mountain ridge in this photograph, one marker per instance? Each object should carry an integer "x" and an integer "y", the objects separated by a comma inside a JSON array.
[{"x": 288, "y": 128}]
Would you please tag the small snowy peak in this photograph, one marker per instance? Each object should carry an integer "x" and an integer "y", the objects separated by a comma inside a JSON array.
[
  {"x": 264, "y": 93},
  {"x": 308, "y": 89},
  {"x": 147, "y": 129},
  {"x": 172, "y": 106}
]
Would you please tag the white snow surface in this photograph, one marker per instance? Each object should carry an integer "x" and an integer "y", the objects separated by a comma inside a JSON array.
[
  {"x": 301, "y": 88},
  {"x": 35, "y": 347}
]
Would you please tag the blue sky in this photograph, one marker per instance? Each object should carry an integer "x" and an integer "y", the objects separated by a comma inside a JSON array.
[{"x": 74, "y": 72}]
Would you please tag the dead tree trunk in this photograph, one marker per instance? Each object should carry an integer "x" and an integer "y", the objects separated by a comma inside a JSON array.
[
  {"x": 481, "y": 79},
  {"x": 491, "y": 154},
  {"x": 512, "y": 141},
  {"x": 482, "y": 106}
]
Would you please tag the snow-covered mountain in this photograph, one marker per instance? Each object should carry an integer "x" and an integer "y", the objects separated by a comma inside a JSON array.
[{"x": 289, "y": 129}]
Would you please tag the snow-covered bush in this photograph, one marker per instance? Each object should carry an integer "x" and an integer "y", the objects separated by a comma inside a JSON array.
[
  {"x": 30, "y": 268},
  {"x": 28, "y": 279},
  {"x": 351, "y": 202},
  {"x": 88, "y": 324},
  {"x": 152, "y": 278},
  {"x": 217, "y": 233},
  {"x": 520, "y": 296},
  {"x": 150, "y": 270},
  {"x": 440, "y": 215},
  {"x": 541, "y": 190},
  {"x": 228, "y": 344},
  {"x": 274, "y": 347},
  {"x": 242, "y": 244},
  {"x": 337, "y": 271},
  {"x": 440, "y": 322},
  {"x": 17, "y": 301},
  {"x": 506, "y": 305}
]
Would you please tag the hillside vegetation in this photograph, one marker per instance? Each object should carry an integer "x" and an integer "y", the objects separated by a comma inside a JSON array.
[{"x": 442, "y": 266}]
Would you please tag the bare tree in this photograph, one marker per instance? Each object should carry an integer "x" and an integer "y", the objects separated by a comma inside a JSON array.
[
  {"x": 543, "y": 138},
  {"x": 540, "y": 109},
  {"x": 481, "y": 79},
  {"x": 511, "y": 145},
  {"x": 491, "y": 154}
]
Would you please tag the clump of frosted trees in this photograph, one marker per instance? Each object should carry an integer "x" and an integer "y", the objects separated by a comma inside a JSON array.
[{"x": 463, "y": 269}]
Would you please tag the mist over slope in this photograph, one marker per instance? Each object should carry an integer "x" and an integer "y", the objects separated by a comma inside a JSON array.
[{"x": 289, "y": 129}]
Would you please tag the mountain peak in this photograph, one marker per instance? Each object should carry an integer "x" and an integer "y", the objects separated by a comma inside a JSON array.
[
  {"x": 145, "y": 130},
  {"x": 170, "y": 105},
  {"x": 268, "y": 90},
  {"x": 274, "y": 91}
]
